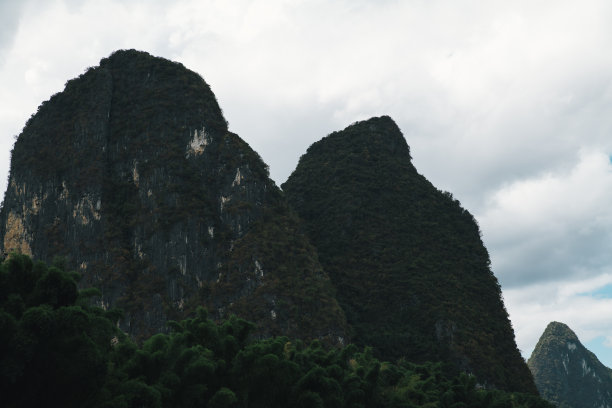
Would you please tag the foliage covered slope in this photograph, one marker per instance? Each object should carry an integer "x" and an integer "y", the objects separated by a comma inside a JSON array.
[
  {"x": 58, "y": 351},
  {"x": 131, "y": 173},
  {"x": 566, "y": 373},
  {"x": 407, "y": 261}
]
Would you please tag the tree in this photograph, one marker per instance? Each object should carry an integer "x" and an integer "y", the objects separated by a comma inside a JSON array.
[{"x": 54, "y": 351}]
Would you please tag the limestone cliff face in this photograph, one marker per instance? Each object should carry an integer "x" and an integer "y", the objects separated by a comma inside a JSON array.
[
  {"x": 566, "y": 373},
  {"x": 132, "y": 174},
  {"x": 410, "y": 269}
]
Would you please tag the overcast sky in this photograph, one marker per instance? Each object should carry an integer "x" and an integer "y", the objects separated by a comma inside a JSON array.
[{"x": 506, "y": 104}]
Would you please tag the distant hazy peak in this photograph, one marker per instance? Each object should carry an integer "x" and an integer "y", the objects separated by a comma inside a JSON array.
[{"x": 566, "y": 373}]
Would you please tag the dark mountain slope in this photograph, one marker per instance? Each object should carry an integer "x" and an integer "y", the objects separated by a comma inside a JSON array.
[
  {"x": 566, "y": 373},
  {"x": 132, "y": 174},
  {"x": 408, "y": 264}
]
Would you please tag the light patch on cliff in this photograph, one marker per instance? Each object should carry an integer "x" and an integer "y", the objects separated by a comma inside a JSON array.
[
  {"x": 585, "y": 368},
  {"x": 258, "y": 270},
  {"x": 223, "y": 200},
  {"x": 34, "y": 207},
  {"x": 84, "y": 207},
  {"x": 19, "y": 189},
  {"x": 65, "y": 193},
  {"x": 103, "y": 304},
  {"x": 36, "y": 203},
  {"x": 237, "y": 179},
  {"x": 135, "y": 175},
  {"x": 138, "y": 248},
  {"x": 182, "y": 264},
  {"x": 16, "y": 238},
  {"x": 198, "y": 143}
]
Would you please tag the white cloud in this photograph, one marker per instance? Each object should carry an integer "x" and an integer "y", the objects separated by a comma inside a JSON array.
[
  {"x": 553, "y": 226},
  {"x": 475, "y": 85},
  {"x": 552, "y": 240},
  {"x": 531, "y": 308}
]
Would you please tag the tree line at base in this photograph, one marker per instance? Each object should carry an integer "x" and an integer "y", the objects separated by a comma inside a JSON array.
[{"x": 59, "y": 350}]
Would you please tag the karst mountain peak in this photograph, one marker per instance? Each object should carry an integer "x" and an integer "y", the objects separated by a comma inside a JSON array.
[
  {"x": 131, "y": 175},
  {"x": 566, "y": 373}
]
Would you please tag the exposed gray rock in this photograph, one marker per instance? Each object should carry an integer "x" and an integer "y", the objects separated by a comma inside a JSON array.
[
  {"x": 132, "y": 174},
  {"x": 566, "y": 373}
]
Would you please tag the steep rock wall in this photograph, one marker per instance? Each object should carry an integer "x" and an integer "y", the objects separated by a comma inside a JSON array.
[
  {"x": 132, "y": 174},
  {"x": 566, "y": 373},
  {"x": 407, "y": 261}
]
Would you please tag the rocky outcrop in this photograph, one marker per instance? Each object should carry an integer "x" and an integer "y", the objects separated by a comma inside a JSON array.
[
  {"x": 131, "y": 173},
  {"x": 407, "y": 261},
  {"x": 566, "y": 373}
]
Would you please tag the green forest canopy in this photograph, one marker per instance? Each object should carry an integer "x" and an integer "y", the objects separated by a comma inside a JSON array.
[{"x": 59, "y": 350}]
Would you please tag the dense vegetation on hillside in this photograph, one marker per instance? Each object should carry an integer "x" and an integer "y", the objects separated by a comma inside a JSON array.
[
  {"x": 59, "y": 351},
  {"x": 131, "y": 173},
  {"x": 566, "y": 373},
  {"x": 297, "y": 294},
  {"x": 407, "y": 261},
  {"x": 54, "y": 347}
]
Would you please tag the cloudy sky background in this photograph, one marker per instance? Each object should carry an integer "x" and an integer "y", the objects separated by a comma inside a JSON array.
[{"x": 505, "y": 104}]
